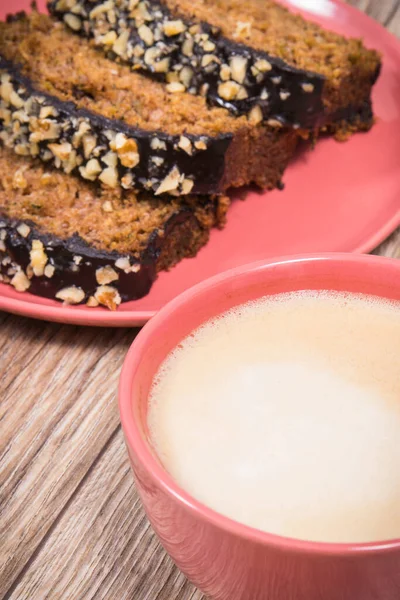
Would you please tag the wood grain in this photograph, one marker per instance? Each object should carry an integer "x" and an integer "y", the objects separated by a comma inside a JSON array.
[{"x": 71, "y": 525}]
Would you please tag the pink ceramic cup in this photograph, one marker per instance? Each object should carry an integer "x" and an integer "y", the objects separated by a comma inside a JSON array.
[{"x": 227, "y": 560}]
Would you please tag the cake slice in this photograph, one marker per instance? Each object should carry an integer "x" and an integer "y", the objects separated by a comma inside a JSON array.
[
  {"x": 240, "y": 54},
  {"x": 63, "y": 239},
  {"x": 65, "y": 102}
]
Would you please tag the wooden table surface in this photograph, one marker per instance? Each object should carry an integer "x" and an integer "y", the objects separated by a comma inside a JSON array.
[{"x": 71, "y": 524}]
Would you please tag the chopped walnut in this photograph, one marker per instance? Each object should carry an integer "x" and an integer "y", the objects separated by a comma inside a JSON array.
[
  {"x": 89, "y": 143},
  {"x": 174, "y": 27},
  {"x": 187, "y": 46},
  {"x": 38, "y": 258},
  {"x": 151, "y": 58},
  {"x": 170, "y": 183},
  {"x": 6, "y": 87},
  {"x": 49, "y": 271},
  {"x": 185, "y": 75},
  {"x": 21, "y": 150},
  {"x": 127, "y": 181},
  {"x": 228, "y": 90},
  {"x": 101, "y": 8},
  {"x": 110, "y": 159},
  {"x": 121, "y": 43},
  {"x": 146, "y": 34},
  {"x": 16, "y": 100},
  {"x": 124, "y": 264},
  {"x": 274, "y": 123},
  {"x": 255, "y": 115},
  {"x": 65, "y": 5},
  {"x": 109, "y": 39},
  {"x": 20, "y": 281},
  {"x": 23, "y": 230},
  {"x": 71, "y": 295},
  {"x": 175, "y": 87},
  {"x": 48, "y": 111},
  {"x": 307, "y": 87},
  {"x": 187, "y": 186},
  {"x": 92, "y": 302},
  {"x": 157, "y": 144},
  {"x": 91, "y": 169},
  {"x": 61, "y": 151},
  {"x": 106, "y": 275},
  {"x": 200, "y": 145},
  {"x": 185, "y": 144},
  {"x": 263, "y": 65},
  {"x": 108, "y": 296},
  {"x": 109, "y": 177},
  {"x": 127, "y": 150},
  {"x": 5, "y": 116},
  {"x": 43, "y": 129},
  {"x": 209, "y": 46},
  {"x": 73, "y": 21},
  {"x": 208, "y": 59},
  {"x": 138, "y": 51},
  {"x": 225, "y": 72},
  {"x": 242, "y": 93},
  {"x": 238, "y": 66},
  {"x": 161, "y": 66}
]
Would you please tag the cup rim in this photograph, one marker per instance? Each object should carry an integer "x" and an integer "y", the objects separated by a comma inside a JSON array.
[{"x": 142, "y": 450}]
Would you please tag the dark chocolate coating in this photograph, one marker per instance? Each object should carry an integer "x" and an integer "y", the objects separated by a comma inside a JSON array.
[
  {"x": 61, "y": 253},
  {"x": 287, "y": 101},
  {"x": 204, "y": 167}
]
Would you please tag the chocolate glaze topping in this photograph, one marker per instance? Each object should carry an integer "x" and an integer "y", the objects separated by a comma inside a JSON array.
[
  {"x": 196, "y": 57},
  {"x": 75, "y": 266},
  {"x": 115, "y": 153}
]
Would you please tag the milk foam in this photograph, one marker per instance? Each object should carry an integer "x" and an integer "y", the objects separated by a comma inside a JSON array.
[{"x": 284, "y": 414}]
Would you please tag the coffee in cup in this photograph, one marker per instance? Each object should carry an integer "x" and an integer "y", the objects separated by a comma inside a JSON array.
[{"x": 284, "y": 414}]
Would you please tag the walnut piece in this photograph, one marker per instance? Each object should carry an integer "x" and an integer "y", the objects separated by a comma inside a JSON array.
[
  {"x": 38, "y": 258},
  {"x": 228, "y": 90},
  {"x": 23, "y": 230},
  {"x": 185, "y": 144},
  {"x": 127, "y": 150},
  {"x": 71, "y": 295},
  {"x": 108, "y": 296},
  {"x": 109, "y": 177},
  {"x": 170, "y": 183},
  {"x": 105, "y": 275},
  {"x": 238, "y": 66},
  {"x": 73, "y": 21},
  {"x": 174, "y": 27},
  {"x": 255, "y": 115},
  {"x": 20, "y": 281}
]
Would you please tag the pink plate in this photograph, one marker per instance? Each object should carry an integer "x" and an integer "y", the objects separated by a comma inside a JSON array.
[{"x": 338, "y": 197}]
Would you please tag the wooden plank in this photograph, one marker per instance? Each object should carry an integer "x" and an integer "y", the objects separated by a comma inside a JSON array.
[
  {"x": 390, "y": 247},
  {"x": 57, "y": 413},
  {"x": 102, "y": 547}
]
